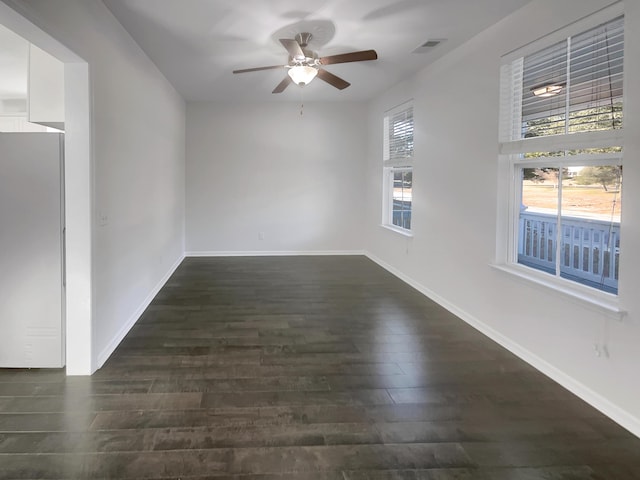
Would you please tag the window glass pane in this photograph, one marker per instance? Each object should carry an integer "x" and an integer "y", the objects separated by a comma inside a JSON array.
[
  {"x": 594, "y": 151},
  {"x": 400, "y": 135},
  {"x": 402, "y": 190},
  {"x": 543, "y": 92},
  {"x": 596, "y": 78},
  {"x": 591, "y": 206},
  {"x": 407, "y": 192},
  {"x": 595, "y": 62},
  {"x": 589, "y": 222},
  {"x": 604, "y": 117},
  {"x": 537, "y": 226}
]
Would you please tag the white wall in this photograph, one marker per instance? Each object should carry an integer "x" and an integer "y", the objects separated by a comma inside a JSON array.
[
  {"x": 46, "y": 89},
  {"x": 138, "y": 132},
  {"x": 455, "y": 203},
  {"x": 255, "y": 168}
]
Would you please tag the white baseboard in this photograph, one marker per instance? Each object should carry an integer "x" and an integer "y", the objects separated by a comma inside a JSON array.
[
  {"x": 115, "y": 341},
  {"x": 272, "y": 253},
  {"x": 608, "y": 408}
]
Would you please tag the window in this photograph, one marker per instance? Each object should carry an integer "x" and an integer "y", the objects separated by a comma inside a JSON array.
[
  {"x": 398, "y": 167},
  {"x": 561, "y": 136}
]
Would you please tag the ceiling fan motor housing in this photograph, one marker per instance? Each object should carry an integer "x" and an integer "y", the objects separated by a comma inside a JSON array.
[
  {"x": 303, "y": 39},
  {"x": 310, "y": 57}
]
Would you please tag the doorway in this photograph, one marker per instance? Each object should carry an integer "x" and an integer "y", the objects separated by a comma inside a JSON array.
[{"x": 77, "y": 322}]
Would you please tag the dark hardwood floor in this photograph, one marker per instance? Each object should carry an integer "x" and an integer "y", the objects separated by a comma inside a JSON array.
[{"x": 303, "y": 368}]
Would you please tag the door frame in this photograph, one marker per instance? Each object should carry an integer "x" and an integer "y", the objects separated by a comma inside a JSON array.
[{"x": 78, "y": 187}]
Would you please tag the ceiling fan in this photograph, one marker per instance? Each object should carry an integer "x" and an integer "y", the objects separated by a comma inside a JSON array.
[{"x": 304, "y": 64}]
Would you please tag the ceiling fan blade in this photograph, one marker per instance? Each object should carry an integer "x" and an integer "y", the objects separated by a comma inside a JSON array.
[
  {"x": 332, "y": 79},
  {"x": 293, "y": 48},
  {"x": 257, "y": 69},
  {"x": 349, "y": 57},
  {"x": 282, "y": 85}
]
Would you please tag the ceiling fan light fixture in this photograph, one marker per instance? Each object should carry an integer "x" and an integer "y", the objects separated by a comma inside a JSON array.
[
  {"x": 302, "y": 74},
  {"x": 548, "y": 90}
]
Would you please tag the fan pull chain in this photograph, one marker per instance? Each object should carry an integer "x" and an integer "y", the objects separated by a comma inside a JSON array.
[{"x": 301, "y": 102}]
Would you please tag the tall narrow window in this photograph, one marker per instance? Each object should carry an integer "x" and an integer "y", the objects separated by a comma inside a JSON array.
[
  {"x": 561, "y": 132},
  {"x": 398, "y": 167}
]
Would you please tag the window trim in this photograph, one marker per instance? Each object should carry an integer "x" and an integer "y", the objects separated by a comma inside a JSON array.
[
  {"x": 510, "y": 162},
  {"x": 387, "y": 210},
  {"x": 507, "y": 258},
  {"x": 391, "y": 165},
  {"x": 598, "y": 300},
  {"x": 394, "y": 228},
  {"x": 516, "y": 164}
]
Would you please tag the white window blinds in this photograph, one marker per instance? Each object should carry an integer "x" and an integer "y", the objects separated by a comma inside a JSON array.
[
  {"x": 398, "y": 136},
  {"x": 573, "y": 86},
  {"x": 595, "y": 92}
]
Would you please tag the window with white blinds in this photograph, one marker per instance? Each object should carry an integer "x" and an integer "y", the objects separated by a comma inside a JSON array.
[
  {"x": 573, "y": 86},
  {"x": 561, "y": 146},
  {"x": 398, "y": 135},
  {"x": 398, "y": 167}
]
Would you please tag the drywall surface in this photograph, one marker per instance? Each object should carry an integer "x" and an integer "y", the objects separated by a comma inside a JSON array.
[
  {"x": 46, "y": 88},
  {"x": 138, "y": 130},
  {"x": 455, "y": 217},
  {"x": 264, "y": 178}
]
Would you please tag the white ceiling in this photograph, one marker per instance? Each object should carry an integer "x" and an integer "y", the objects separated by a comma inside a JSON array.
[{"x": 197, "y": 43}]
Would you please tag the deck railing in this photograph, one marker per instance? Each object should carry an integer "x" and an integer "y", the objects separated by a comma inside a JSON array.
[{"x": 589, "y": 249}]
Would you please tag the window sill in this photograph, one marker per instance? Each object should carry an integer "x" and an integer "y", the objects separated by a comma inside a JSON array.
[
  {"x": 600, "y": 301},
  {"x": 401, "y": 231}
]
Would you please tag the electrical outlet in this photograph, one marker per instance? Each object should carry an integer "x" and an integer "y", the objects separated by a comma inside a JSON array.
[{"x": 260, "y": 235}]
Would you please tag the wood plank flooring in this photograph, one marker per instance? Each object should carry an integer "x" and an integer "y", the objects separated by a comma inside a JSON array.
[{"x": 303, "y": 368}]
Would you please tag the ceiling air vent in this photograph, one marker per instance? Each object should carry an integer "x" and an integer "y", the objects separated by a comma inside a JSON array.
[{"x": 428, "y": 45}]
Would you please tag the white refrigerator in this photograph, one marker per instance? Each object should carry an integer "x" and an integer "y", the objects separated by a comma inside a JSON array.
[{"x": 31, "y": 250}]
